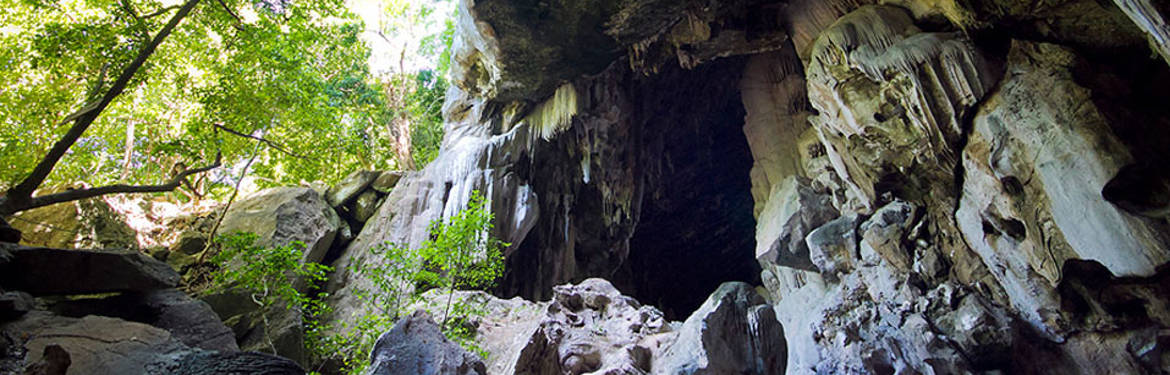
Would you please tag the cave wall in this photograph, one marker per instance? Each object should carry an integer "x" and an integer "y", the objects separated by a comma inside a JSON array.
[{"x": 928, "y": 186}]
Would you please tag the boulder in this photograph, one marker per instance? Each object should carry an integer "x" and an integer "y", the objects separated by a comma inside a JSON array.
[
  {"x": 386, "y": 181},
  {"x": 43, "y": 271},
  {"x": 882, "y": 236},
  {"x": 189, "y": 320},
  {"x": 15, "y": 304},
  {"x": 592, "y": 328},
  {"x": 792, "y": 212},
  {"x": 734, "y": 332},
  {"x": 349, "y": 188},
  {"x": 277, "y": 330},
  {"x": 283, "y": 215},
  {"x": 416, "y": 346},
  {"x": 94, "y": 344},
  {"x": 365, "y": 206},
  {"x": 85, "y": 224}
]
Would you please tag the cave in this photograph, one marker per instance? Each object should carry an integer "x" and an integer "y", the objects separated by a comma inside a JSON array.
[{"x": 696, "y": 228}]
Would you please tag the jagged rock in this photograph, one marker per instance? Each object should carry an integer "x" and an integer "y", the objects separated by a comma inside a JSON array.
[
  {"x": 833, "y": 247},
  {"x": 365, "y": 206},
  {"x": 280, "y": 216},
  {"x": 503, "y": 328},
  {"x": 386, "y": 181},
  {"x": 591, "y": 328},
  {"x": 189, "y": 320},
  {"x": 884, "y": 234},
  {"x": 1021, "y": 210},
  {"x": 891, "y": 100},
  {"x": 85, "y": 224},
  {"x": 793, "y": 211},
  {"x": 734, "y": 332},
  {"x": 416, "y": 346},
  {"x": 15, "y": 304},
  {"x": 42, "y": 271},
  {"x": 276, "y": 330},
  {"x": 350, "y": 187}
]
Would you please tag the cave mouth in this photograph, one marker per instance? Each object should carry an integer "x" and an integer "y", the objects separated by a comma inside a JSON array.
[{"x": 696, "y": 229}]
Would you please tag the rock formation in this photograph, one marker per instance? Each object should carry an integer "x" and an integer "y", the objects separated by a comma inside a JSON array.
[
  {"x": 933, "y": 186},
  {"x": 775, "y": 186}
]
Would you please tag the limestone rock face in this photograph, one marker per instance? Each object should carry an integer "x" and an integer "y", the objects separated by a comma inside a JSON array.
[
  {"x": 416, "y": 346},
  {"x": 283, "y": 215},
  {"x": 931, "y": 193},
  {"x": 592, "y": 328},
  {"x": 734, "y": 332},
  {"x": 1032, "y": 196}
]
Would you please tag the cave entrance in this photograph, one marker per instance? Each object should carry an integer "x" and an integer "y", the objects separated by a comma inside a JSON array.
[{"x": 696, "y": 228}]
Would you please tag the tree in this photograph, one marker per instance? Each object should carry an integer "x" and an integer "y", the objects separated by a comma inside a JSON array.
[
  {"x": 19, "y": 197},
  {"x": 296, "y": 69},
  {"x": 460, "y": 254}
]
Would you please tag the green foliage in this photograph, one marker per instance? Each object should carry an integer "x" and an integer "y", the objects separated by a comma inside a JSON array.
[
  {"x": 293, "y": 72},
  {"x": 461, "y": 254},
  {"x": 270, "y": 275}
]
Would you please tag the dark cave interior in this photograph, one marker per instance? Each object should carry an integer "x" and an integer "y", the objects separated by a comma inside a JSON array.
[{"x": 696, "y": 228}]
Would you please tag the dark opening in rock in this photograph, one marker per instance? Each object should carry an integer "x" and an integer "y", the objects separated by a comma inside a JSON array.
[{"x": 696, "y": 229}]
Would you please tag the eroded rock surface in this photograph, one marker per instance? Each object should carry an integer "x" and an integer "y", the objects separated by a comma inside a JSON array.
[
  {"x": 416, "y": 346},
  {"x": 280, "y": 216},
  {"x": 934, "y": 189}
]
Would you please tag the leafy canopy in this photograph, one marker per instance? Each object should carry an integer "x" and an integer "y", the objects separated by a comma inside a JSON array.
[{"x": 293, "y": 72}]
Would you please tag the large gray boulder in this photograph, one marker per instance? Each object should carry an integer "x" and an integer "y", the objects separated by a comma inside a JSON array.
[
  {"x": 94, "y": 344},
  {"x": 43, "y": 271},
  {"x": 189, "y": 320},
  {"x": 416, "y": 346},
  {"x": 734, "y": 332},
  {"x": 283, "y": 215},
  {"x": 276, "y": 330}
]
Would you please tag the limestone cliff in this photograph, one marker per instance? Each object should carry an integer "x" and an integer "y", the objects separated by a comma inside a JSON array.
[{"x": 921, "y": 186}]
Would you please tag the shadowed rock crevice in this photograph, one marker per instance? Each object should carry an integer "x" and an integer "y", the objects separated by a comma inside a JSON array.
[{"x": 696, "y": 230}]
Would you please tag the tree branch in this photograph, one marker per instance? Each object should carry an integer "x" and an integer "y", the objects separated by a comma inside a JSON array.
[
  {"x": 23, "y": 190},
  {"x": 239, "y": 21},
  {"x": 72, "y": 195},
  {"x": 161, "y": 11},
  {"x": 272, "y": 144}
]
